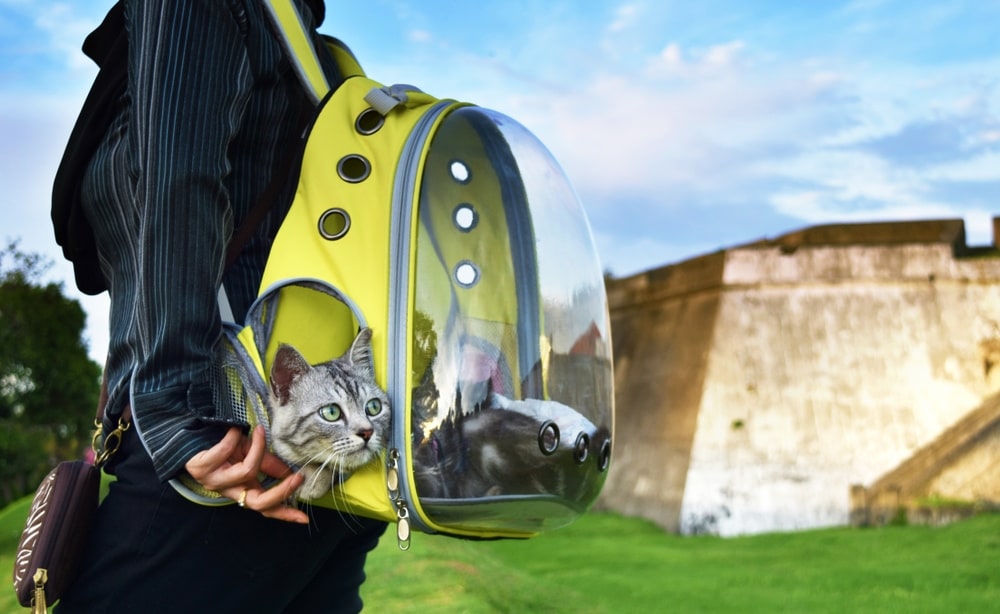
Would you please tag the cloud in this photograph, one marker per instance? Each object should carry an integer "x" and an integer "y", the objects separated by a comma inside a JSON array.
[
  {"x": 65, "y": 26},
  {"x": 634, "y": 254},
  {"x": 721, "y": 130},
  {"x": 689, "y": 135},
  {"x": 931, "y": 152},
  {"x": 684, "y": 127},
  {"x": 858, "y": 186},
  {"x": 823, "y": 206},
  {"x": 41, "y": 45},
  {"x": 984, "y": 166},
  {"x": 624, "y": 132},
  {"x": 924, "y": 142},
  {"x": 624, "y": 17},
  {"x": 43, "y": 89},
  {"x": 707, "y": 62},
  {"x": 420, "y": 36}
]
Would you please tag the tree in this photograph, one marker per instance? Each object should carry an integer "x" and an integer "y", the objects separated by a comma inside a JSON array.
[{"x": 48, "y": 383}]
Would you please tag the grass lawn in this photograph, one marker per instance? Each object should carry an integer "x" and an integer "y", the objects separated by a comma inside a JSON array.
[{"x": 606, "y": 563}]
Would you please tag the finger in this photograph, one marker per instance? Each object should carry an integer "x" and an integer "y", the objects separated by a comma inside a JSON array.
[
  {"x": 220, "y": 467},
  {"x": 258, "y": 446},
  {"x": 272, "y": 503},
  {"x": 273, "y": 466},
  {"x": 288, "y": 514},
  {"x": 278, "y": 494},
  {"x": 207, "y": 461},
  {"x": 256, "y": 497}
]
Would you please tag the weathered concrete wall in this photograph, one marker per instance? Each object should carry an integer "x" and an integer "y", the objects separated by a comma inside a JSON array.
[
  {"x": 757, "y": 399},
  {"x": 660, "y": 348},
  {"x": 831, "y": 380}
]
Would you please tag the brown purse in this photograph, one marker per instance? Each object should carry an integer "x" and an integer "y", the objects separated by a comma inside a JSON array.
[
  {"x": 56, "y": 531},
  {"x": 54, "y": 539}
]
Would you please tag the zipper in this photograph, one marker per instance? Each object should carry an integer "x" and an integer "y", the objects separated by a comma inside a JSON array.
[
  {"x": 402, "y": 513},
  {"x": 403, "y": 193}
]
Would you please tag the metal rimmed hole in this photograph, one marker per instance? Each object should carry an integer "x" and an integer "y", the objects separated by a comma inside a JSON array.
[
  {"x": 460, "y": 171},
  {"x": 368, "y": 122},
  {"x": 548, "y": 437},
  {"x": 581, "y": 448},
  {"x": 466, "y": 274},
  {"x": 334, "y": 224},
  {"x": 465, "y": 217},
  {"x": 604, "y": 460},
  {"x": 353, "y": 168}
]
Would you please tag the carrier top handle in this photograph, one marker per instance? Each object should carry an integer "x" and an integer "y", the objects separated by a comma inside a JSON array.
[{"x": 299, "y": 47}]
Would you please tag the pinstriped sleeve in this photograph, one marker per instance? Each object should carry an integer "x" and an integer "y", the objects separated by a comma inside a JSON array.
[{"x": 190, "y": 80}]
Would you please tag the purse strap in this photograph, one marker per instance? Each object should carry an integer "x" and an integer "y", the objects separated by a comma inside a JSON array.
[{"x": 105, "y": 446}]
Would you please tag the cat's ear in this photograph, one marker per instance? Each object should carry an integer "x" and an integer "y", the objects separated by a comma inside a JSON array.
[
  {"x": 360, "y": 354},
  {"x": 288, "y": 366}
]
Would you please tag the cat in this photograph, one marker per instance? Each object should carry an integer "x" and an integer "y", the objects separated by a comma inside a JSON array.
[
  {"x": 330, "y": 419},
  {"x": 510, "y": 447}
]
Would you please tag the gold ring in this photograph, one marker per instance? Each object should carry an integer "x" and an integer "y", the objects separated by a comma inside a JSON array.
[{"x": 242, "y": 501}]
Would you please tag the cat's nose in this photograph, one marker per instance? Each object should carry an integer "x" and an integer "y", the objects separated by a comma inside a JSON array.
[{"x": 365, "y": 434}]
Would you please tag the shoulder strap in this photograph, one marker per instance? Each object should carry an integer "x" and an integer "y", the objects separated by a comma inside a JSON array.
[
  {"x": 299, "y": 47},
  {"x": 301, "y": 53}
]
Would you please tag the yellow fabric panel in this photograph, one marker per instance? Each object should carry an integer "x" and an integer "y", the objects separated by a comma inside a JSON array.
[
  {"x": 357, "y": 264},
  {"x": 363, "y": 494},
  {"x": 246, "y": 339},
  {"x": 348, "y": 64},
  {"x": 319, "y": 326}
]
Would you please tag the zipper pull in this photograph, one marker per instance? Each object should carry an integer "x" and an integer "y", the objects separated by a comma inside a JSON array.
[
  {"x": 402, "y": 525},
  {"x": 402, "y": 514},
  {"x": 38, "y": 605},
  {"x": 392, "y": 475}
]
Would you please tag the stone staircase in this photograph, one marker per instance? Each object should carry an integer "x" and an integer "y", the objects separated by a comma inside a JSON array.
[{"x": 901, "y": 494}]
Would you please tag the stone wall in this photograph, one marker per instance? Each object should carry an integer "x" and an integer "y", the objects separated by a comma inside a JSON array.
[{"x": 756, "y": 385}]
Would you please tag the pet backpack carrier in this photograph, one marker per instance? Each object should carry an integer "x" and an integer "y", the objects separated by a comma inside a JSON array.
[{"x": 452, "y": 233}]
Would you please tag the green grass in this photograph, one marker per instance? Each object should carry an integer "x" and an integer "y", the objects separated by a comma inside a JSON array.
[
  {"x": 11, "y": 524},
  {"x": 606, "y": 563}
]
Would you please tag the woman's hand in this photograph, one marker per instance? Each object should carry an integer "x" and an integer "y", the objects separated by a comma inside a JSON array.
[{"x": 231, "y": 467}]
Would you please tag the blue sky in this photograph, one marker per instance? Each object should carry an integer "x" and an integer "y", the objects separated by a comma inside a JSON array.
[{"x": 685, "y": 127}]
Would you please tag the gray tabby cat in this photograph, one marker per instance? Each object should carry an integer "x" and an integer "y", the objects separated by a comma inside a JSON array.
[{"x": 330, "y": 419}]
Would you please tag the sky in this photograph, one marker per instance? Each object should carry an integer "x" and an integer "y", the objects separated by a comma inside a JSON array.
[{"x": 685, "y": 127}]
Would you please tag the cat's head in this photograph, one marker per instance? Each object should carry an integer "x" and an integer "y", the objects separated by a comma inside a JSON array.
[{"x": 328, "y": 419}]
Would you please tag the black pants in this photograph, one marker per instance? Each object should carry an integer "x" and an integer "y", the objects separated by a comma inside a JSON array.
[{"x": 154, "y": 551}]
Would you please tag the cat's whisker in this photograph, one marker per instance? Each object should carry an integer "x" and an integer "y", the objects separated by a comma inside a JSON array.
[
  {"x": 327, "y": 419},
  {"x": 344, "y": 508}
]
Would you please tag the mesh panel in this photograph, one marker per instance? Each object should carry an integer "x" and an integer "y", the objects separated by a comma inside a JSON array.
[{"x": 239, "y": 393}]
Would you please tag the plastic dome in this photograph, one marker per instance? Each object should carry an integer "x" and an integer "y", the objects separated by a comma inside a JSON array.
[{"x": 511, "y": 391}]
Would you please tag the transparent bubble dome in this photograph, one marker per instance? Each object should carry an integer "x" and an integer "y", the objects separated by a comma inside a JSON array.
[{"x": 511, "y": 339}]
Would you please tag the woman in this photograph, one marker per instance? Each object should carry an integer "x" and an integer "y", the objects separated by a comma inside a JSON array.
[{"x": 208, "y": 109}]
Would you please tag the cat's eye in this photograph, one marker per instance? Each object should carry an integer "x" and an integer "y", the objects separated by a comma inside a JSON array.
[
  {"x": 373, "y": 407},
  {"x": 330, "y": 413}
]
